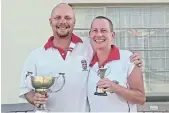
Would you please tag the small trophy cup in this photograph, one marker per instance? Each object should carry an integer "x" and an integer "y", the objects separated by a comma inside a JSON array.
[
  {"x": 43, "y": 85},
  {"x": 99, "y": 91}
]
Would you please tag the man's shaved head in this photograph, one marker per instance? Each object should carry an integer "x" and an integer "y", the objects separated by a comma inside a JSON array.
[
  {"x": 63, "y": 6},
  {"x": 62, "y": 20}
]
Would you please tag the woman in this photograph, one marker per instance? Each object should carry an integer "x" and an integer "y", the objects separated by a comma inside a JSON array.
[{"x": 128, "y": 88}]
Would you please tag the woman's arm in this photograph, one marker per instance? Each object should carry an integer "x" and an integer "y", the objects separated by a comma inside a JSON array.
[{"x": 135, "y": 94}]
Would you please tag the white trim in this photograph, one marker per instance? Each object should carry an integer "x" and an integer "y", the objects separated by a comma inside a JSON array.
[
  {"x": 117, "y": 5},
  {"x": 86, "y": 7},
  {"x": 114, "y": 1}
]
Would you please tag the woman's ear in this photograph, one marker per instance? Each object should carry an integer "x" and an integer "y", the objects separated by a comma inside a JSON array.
[{"x": 113, "y": 34}]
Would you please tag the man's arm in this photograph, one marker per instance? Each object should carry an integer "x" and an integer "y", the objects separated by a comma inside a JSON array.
[
  {"x": 26, "y": 89},
  {"x": 27, "y": 71}
]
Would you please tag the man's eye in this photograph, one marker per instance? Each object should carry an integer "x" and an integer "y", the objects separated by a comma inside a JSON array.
[{"x": 57, "y": 18}]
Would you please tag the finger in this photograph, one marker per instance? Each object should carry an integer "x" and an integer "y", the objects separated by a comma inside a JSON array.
[
  {"x": 40, "y": 99},
  {"x": 104, "y": 86},
  {"x": 137, "y": 58},
  {"x": 137, "y": 62},
  {"x": 39, "y": 95},
  {"x": 100, "y": 83},
  {"x": 102, "y": 80},
  {"x": 136, "y": 53},
  {"x": 106, "y": 89},
  {"x": 140, "y": 65},
  {"x": 133, "y": 55},
  {"x": 39, "y": 102},
  {"x": 36, "y": 102}
]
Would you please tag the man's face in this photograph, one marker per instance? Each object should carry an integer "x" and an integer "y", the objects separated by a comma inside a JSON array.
[
  {"x": 100, "y": 34},
  {"x": 62, "y": 21}
]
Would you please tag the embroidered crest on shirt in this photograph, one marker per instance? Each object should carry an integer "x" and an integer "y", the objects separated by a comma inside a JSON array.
[{"x": 84, "y": 65}]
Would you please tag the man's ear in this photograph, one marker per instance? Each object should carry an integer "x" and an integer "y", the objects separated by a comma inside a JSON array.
[
  {"x": 75, "y": 21},
  {"x": 50, "y": 21}
]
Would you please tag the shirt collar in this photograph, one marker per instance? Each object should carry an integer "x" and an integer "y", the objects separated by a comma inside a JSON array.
[
  {"x": 75, "y": 39},
  {"x": 114, "y": 55}
]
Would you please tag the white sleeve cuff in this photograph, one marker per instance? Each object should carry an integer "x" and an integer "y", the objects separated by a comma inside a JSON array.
[{"x": 23, "y": 91}]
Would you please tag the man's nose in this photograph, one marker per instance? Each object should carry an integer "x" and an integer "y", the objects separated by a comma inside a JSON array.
[{"x": 63, "y": 20}]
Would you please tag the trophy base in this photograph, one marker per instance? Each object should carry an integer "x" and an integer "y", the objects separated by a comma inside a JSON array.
[
  {"x": 42, "y": 111},
  {"x": 100, "y": 94}
]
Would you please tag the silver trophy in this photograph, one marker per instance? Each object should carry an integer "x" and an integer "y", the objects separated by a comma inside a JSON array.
[
  {"x": 44, "y": 85},
  {"x": 99, "y": 91}
]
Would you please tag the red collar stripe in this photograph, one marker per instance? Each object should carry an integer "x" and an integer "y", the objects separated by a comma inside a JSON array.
[
  {"x": 114, "y": 55},
  {"x": 49, "y": 44}
]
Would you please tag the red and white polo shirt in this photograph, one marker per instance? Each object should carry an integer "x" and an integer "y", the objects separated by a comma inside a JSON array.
[
  {"x": 119, "y": 68},
  {"x": 74, "y": 63}
]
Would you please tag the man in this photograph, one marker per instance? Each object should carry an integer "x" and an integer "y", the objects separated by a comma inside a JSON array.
[
  {"x": 119, "y": 98},
  {"x": 63, "y": 53}
]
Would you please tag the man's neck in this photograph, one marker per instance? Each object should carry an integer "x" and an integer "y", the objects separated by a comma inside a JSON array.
[
  {"x": 62, "y": 43},
  {"x": 103, "y": 55}
]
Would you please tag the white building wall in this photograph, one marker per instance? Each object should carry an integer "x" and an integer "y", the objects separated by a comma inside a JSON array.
[{"x": 25, "y": 26}]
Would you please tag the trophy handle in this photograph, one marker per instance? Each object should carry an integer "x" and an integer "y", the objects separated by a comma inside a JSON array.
[
  {"x": 28, "y": 82},
  {"x": 64, "y": 80}
]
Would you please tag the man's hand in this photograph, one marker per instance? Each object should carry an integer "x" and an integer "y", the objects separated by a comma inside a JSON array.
[
  {"x": 36, "y": 98},
  {"x": 136, "y": 58},
  {"x": 39, "y": 99}
]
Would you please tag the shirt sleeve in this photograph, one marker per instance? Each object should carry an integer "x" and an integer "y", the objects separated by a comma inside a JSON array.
[
  {"x": 28, "y": 70},
  {"x": 90, "y": 53}
]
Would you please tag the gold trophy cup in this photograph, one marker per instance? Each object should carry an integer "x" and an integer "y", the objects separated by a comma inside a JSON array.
[
  {"x": 43, "y": 84},
  {"x": 99, "y": 91}
]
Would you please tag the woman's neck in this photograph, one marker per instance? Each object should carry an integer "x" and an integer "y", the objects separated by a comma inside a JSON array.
[{"x": 103, "y": 55}]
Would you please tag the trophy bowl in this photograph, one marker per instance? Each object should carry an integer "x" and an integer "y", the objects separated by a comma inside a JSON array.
[{"x": 42, "y": 83}]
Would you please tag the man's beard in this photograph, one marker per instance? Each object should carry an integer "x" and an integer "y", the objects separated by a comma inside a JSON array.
[{"x": 62, "y": 35}]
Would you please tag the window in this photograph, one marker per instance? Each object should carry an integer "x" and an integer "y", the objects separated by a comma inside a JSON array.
[{"x": 141, "y": 29}]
